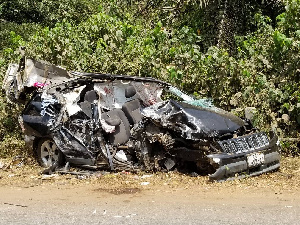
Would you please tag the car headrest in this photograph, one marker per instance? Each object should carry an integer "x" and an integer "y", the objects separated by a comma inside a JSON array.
[
  {"x": 90, "y": 96},
  {"x": 130, "y": 91}
]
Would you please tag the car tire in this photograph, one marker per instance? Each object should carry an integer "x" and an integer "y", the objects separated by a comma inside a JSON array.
[{"x": 48, "y": 153}]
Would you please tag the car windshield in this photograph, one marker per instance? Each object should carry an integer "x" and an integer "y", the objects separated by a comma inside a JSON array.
[{"x": 177, "y": 94}]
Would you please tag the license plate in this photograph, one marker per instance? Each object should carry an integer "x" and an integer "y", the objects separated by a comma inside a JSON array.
[{"x": 255, "y": 159}]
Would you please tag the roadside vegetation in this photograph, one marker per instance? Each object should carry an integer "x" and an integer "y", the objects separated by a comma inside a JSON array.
[{"x": 238, "y": 53}]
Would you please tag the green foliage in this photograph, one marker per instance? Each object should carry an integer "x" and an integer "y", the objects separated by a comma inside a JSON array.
[
  {"x": 10, "y": 135},
  {"x": 290, "y": 148},
  {"x": 47, "y": 12},
  {"x": 256, "y": 61}
]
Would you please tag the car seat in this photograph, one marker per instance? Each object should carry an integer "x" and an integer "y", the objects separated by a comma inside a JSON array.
[
  {"x": 118, "y": 119},
  {"x": 132, "y": 109}
]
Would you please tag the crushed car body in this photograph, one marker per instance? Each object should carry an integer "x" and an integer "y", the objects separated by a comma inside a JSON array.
[{"x": 118, "y": 122}]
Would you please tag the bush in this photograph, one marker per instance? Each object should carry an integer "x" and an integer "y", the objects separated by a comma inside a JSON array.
[{"x": 260, "y": 69}]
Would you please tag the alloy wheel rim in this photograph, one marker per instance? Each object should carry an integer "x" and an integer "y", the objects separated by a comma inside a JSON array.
[{"x": 49, "y": 153}]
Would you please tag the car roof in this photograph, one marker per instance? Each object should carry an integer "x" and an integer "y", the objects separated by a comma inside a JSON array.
[{"x": 103, "y": 76}]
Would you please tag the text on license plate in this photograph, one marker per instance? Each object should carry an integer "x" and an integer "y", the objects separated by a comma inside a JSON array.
[{"x": 255, "y": 159}]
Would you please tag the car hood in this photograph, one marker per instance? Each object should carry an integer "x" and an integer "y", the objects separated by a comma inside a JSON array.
[{"x": 193, "y": 122}]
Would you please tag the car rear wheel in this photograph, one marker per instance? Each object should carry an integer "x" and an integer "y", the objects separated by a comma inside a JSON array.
[{"x": 48, "y": 153}]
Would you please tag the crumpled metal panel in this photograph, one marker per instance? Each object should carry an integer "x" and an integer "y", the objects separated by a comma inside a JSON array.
[
  {"x": 41, "y": 73},
  {"x": 70, "y": 145},
  {"x": 71, "y": 98},
  {"x": 112, "y": 93},
  {"x": 9, "y": 82},
  {"x": 192, "y": 122},
  {"x": 148, "y": 92},
  {"x": 35, "y": 74}
]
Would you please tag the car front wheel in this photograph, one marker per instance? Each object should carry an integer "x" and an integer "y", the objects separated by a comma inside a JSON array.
[{"x": 48, "y": 153}]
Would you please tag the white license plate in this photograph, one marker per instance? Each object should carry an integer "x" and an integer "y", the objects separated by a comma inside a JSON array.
[{"x": 255, "y": 159}]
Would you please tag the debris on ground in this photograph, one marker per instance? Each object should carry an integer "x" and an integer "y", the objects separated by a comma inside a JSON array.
[{"x": 119, "y": 183}]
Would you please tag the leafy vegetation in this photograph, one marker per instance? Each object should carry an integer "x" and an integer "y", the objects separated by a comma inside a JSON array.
[{"x": 239, "y": 53}]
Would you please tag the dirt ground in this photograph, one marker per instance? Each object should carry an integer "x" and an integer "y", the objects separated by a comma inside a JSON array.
[
  {"x": 145, "y": 198},
  {"x": 20, "y": 172}
]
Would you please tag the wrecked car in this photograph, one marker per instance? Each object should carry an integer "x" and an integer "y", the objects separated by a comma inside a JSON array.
[{"x": 119, "y": 122}]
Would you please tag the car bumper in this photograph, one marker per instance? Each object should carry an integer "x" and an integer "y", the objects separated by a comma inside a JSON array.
[{"x": 240, "y": 165}]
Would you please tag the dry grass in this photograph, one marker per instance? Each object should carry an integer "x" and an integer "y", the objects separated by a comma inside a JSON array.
[{"x": 26, "y": 173}]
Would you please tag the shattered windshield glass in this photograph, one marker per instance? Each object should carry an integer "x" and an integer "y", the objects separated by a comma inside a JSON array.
[{"x": 205, "y": 103}]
